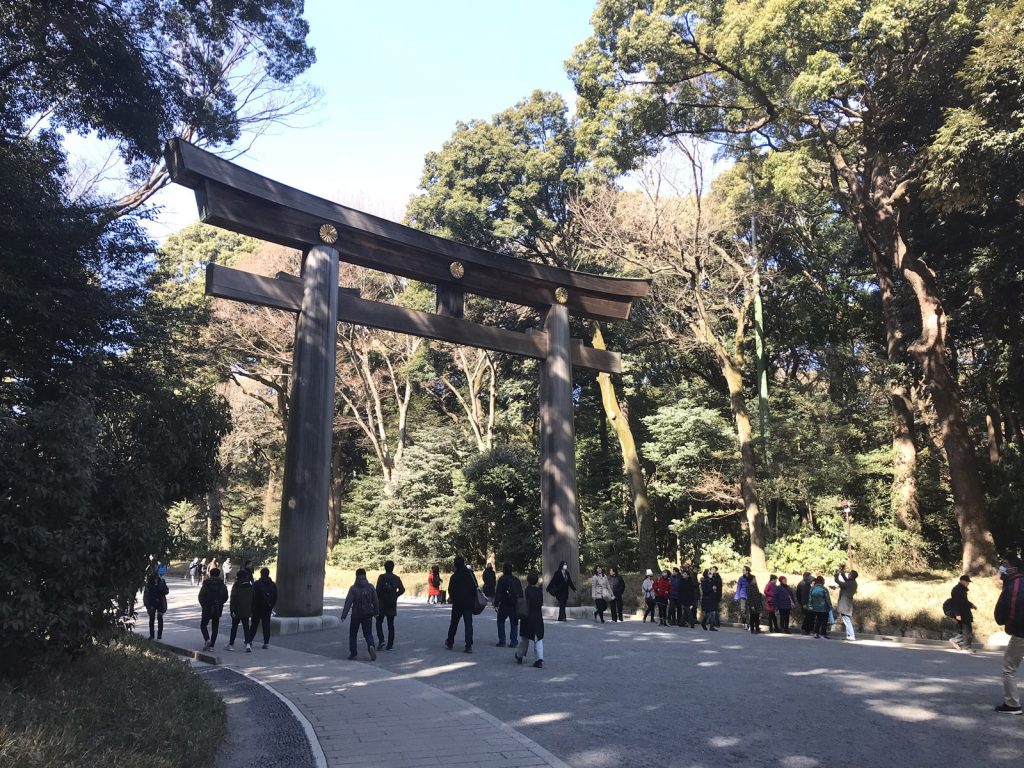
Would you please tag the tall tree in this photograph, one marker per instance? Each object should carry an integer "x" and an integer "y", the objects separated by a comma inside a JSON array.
[{"x": 855, "y": 91}]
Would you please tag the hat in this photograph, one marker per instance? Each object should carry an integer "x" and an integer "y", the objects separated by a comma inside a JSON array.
[
  {"x": 650, "y": 572},
  {"x": 965, "y": 577}
]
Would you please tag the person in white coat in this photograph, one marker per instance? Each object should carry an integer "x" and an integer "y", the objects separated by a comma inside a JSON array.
[{"x": 601, "y": 590}]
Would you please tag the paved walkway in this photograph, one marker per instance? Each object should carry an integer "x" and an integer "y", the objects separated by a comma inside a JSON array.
[{"x": 363, "y": 716}]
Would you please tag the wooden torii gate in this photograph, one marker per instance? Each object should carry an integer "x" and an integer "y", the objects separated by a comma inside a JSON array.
[{"x": 239, "y": 200}]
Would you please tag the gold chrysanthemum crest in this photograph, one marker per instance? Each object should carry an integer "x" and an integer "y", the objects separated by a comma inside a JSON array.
[
  {"x": 457, "y": 269},
  {"x": 329, "y": 234}
]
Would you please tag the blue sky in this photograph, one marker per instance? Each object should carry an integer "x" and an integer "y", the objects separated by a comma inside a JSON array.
[{"x": 395, "y": 78}]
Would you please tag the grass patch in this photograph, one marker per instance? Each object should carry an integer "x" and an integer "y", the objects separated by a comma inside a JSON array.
[{"x": 123, "y": 703}]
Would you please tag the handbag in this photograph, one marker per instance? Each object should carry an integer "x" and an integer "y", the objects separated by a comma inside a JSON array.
[
  {"x": 522, "y": 608},
  {"x": 480, "y": 603}
]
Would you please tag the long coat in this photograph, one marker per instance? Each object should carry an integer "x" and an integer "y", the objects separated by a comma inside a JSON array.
[
  {"x": 847, "y": 589},
  {"x": 532, "y": 627},
  {"x": 560, "y": 585},
  {"x": 600, "y": 589}
]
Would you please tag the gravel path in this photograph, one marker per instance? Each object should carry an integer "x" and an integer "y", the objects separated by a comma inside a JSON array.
[
  {"x": 634, "y": 695},
  {"x": 261, "y": 728}
]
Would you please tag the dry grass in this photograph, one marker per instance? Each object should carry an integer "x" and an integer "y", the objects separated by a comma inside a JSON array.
[{"x": 121, "y": 704}]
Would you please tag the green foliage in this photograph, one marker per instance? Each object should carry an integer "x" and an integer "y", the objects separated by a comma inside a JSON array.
[
  {"x": 186, "y": 526},
  {"x": 885, "y": 550},
  {"x": 608, "y": 537},
  {"x": 722, "y": 553},
  {"x": 805, "y": 551},
  {"x": 502, "y": 506}
]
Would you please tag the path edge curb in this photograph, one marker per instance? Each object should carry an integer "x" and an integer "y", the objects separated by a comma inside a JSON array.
[{"x": 314, "y": 742}]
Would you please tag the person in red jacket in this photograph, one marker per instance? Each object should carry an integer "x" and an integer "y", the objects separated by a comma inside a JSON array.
[{"x": 662, "y": 589}]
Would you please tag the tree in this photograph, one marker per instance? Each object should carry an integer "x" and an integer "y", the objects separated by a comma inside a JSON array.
[
  {"x": 853, "y": 92},
  {"x": 138, "y": 72},
  {"x": 508, "y": 185}
]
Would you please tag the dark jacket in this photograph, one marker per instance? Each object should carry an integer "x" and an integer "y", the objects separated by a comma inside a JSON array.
[
  {"x": 1010, "y": 605},
  {"x": 507, "y": 591},
  {"x": 264, "y": 595},
  {"x": 532, "y": 627},
  {"x": 708, "y": 598},
  {"x": 783, "y": 597},
  {"x": 687, "y": 594},
  {"x": 361, "y": 600},
  {"x": 677, "y": 586},
  {"x": 560, "y": 585},
  {"x": 241, "y": 600},
  {"x": 803, "y": 591},
  {"x": 389, "y": 589},
  {"x": 961, "y": 606},
  {"x": 618, "y": 585},
  {"x": 212, "y": 596},
  {"x": 462, "y": 589},
  {"x": 490, "y": 579},
  {"x": 755, "y": 602},
  {"x": 154, "y": 597},
  {"x": 716, "y": 584}
]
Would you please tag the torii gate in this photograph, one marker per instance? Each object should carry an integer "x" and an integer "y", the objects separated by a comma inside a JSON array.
[{"x": 239, "y": 200}]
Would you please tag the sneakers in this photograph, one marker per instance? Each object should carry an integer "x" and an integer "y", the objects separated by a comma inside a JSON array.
[
  {"x": 538, "y": 663},
  {"x": 955, "y": 643},
  {"x": 229, "y": 647},
  {"x": 265, "y": 646},
  {"x": 519, "y": 659},
  {"x": 352, "y": 656},
  {"x": 1006, "y": 709},
  {"x": 206, "y": 646},
  {"x": 373, "y": 652},
  {"x": 248, "y": 648},
  {"x": 469, "y": 649},
  {"x": 449, "y": 646},
  {"x": 500, "y": 644}
]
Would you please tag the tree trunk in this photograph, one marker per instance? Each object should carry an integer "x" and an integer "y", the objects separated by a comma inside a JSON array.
[
  {"x": 929, "y": 349},
  {"x": 748, "y": 481},
  {"x": 632, "y": 470},
  {"x": 903, "y": 498}
]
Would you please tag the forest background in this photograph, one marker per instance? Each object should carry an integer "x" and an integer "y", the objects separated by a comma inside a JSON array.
[{"x": 827, "y": 199}]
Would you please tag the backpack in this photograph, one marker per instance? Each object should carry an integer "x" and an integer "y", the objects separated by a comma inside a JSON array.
[
  {"x": 480, "y": 603},
  {"x": 364, "y": 602},
  {"x": 522, "y": 608},
  {"x": 948, "y": 609}
]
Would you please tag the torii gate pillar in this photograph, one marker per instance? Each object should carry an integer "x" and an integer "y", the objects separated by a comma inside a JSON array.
[
  {"x": 558, "y": 503},
  {"x": 302, "y": 550}
]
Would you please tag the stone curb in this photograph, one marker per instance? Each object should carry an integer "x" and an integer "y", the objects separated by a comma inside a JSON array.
[
  {"x": 291, "y": 625},
  {"x": 203, "y": 656}
]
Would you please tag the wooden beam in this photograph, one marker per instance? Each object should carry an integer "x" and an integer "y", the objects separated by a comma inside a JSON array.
[
  {"x": 224, "y": 207},
  {"x": 197, "y": 168},
  {"x": 286, "y": 294},
  {"x": 451, "y": 300}
]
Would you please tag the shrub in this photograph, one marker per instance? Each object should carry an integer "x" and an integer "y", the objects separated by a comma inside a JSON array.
[
  {"x": 722, "y": 552},
  {"x": 886, "y": 549},
  {"x": 801, "y": 552}
]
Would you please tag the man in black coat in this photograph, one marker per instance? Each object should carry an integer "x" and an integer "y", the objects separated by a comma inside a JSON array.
[
  {"x": 716, "y": 584},
  {"x": 462, "y": 595},
  {"x": 1010, "y": 613},
  {"x": 559, "y": 587},
  {"x": 389, "y": 589},
  {"x": 803, "y": 592},
  {"x": 212, "y": 596},
  {"x": 264, "y": 598},
  {"x": 506, "y": 593}
]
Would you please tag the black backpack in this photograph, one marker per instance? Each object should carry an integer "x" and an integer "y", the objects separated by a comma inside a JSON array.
[
  {"x": 364, "y": 602},
  {"x": 949, "y": 609}
]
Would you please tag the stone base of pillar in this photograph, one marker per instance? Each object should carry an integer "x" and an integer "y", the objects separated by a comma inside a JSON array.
[{"x": 293, "y": 625}]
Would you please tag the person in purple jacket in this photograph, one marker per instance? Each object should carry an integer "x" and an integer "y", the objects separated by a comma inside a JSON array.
[{"x": 741, "y": 592}]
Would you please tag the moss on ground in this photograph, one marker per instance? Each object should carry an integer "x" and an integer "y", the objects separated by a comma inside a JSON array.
[{"x": 122, "y": 703}]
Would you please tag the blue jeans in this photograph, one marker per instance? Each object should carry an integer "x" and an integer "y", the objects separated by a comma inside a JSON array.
[
  {"x": 366, "y": 624},
  {"x": 513, "y": 622}
]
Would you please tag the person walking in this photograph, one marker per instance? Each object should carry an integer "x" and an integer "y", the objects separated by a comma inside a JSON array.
[
  {"x": 241, "y": 610},
  {"x": 361, "y": 601},
  {"x": 959, "y": 608},
  {"x": 618, "y": 585},
  {"x": 1010, "y": 613},
  {"x": 716, "y": 583},
  {"x": 847, "y": 589},
  {"x": 769, "y": 603},
  {"x": 559, "y": 588},
  {"x": 674, "y": 605},
  {"x": 803, "y": 591},
  {"x": 507, "y": 592},
  {"x": 601, "y": 591},
  {"x": 462, "y": 595},
  {"x": 688, "y": 599},
  {"x": 212, "y": 596},
  {"x": 389, "y": 589},
  {"x": 741, "y": 593},
  {"x": 490, "y": 579},
  {"x": 662, "y": 589},
  {"x": 531, "y": 626},
  {"x": 783, "y": 596},
  {"x": 755, "y": 604},
  {"x": 647, "y": 587},
  {"x": 228, "y": 567},
  {"x": 708, "y": 602},
  {"x": 154, "y": 598},
  {"x": 819, "y": 602},
  {"x": 434, "y": 585},
  {"x": 193, "y": 567},
  {"x": 202, "y": 571},
  {"x": 264, "y": 598}
]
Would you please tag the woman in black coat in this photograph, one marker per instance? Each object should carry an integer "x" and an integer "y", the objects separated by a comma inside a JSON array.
[
  {"x": 618, "y": 585},
  {"x": 559, "y": 588},
  {"x": 531, "y": 627},
  {"x": 154, "y": 597}
]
